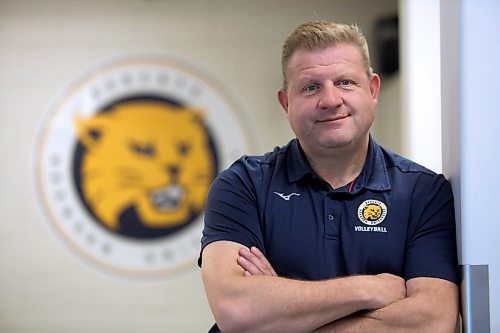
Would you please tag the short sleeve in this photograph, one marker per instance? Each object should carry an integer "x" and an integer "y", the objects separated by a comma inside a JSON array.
[
  {"x": 231, "y": 211},
  {"x": 431, "y": 249}
]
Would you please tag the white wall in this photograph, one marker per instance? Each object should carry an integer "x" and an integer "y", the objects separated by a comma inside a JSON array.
[
  {"x": 470, "y": 107},
  {"x": 46, "y": 44}
]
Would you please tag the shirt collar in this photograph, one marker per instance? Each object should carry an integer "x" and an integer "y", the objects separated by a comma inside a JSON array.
[
  {"x": 373, "y": 176},
  {"x": 297, "y": 164}
]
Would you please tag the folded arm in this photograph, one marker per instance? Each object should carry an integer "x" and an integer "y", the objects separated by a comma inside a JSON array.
[
  {"x": 244, "y": 301},
  {"x": 431, "y": 305}
]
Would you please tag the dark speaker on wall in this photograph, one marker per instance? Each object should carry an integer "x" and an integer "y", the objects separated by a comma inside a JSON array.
[{"x": 386, "y": 45}]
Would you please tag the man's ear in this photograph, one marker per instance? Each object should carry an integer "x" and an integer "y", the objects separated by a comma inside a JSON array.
[
  {"x": 375, "y": 87},
  {"x": 283, "y": 99}
]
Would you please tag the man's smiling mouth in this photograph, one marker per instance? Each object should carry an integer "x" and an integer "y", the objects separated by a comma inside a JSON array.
[{"x": 332, "y": 119}]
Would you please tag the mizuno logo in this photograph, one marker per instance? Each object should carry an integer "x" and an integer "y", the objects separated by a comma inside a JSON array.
[{"x": 286, "y": 196}]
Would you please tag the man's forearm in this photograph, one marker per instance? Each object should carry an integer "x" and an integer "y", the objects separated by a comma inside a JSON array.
[
  {"x": 264, "y": 303},
  {"x": 433, "y": 309},
  {"x": 431, "y": 305},
  {"x": 274, "y": 304}
]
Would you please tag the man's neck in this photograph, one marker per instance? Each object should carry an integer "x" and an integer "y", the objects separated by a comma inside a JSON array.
[{"x": 339, "y": 166}]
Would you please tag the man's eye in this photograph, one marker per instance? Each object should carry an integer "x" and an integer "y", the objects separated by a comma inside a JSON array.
[
  {"x": 311, "y": 87},
  {"x": 344, "y": 82}
]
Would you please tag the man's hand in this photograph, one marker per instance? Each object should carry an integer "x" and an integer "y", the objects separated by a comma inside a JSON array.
[
  {"x": 391, "y": 288},
  {"x": 255, "y": 263}
]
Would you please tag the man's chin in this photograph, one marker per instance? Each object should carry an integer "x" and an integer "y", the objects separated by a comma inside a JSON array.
[
  {"x": 345, "y": 143},
  {"x": 338, "y": 143}
]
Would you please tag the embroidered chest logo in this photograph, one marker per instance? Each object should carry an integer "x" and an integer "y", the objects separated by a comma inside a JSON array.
[
  {"x": 286, "y": 197},
  {"x": 372, "y": 212}
]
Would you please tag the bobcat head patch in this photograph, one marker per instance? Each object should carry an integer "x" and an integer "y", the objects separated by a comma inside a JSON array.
[{"x": 372, "y": 212}]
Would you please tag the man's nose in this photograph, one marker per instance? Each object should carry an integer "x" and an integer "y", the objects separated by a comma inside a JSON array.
[{"x": 331, "y": 97}]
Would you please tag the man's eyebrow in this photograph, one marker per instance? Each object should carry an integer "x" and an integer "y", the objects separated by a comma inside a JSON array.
[
  {"x": 307, "y": 78},
  {"x": 346, "y": 74}
]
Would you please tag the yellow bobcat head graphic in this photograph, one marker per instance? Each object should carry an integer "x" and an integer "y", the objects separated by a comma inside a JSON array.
[
  {"x": 147, "y": 155},
  {"x": 372, "y": 212}
]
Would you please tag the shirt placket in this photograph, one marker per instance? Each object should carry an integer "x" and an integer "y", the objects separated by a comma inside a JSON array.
[{"x": 332, "y": 217}]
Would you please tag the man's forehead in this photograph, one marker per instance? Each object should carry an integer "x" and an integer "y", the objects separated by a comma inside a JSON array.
[{"x": 304, "y": 59}]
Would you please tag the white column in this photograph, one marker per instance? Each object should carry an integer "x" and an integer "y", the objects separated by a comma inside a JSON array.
[{"x": 420, "y": 81}]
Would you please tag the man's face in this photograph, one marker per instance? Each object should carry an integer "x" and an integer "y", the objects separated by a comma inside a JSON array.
[{"x": 330, "y": 101}]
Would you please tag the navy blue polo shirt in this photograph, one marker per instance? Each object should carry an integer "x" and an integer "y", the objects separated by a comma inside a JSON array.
[{"x": 395, "y": 217}]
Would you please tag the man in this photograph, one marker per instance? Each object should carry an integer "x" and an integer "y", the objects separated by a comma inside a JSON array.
[{"x": 331, "y": 233}]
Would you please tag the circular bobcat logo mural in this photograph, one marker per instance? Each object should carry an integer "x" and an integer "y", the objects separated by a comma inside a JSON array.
[{"x": 125, "y": 157}]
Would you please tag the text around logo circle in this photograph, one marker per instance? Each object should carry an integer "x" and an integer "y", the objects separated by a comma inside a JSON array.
[{"x": 124, "y": 158}]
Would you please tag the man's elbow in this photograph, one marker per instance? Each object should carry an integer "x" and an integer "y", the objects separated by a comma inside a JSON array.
[
  {"x": 442, "y": 320},
  {"x": 447, "y": 323},
  {"x": 234, "y": 317}
]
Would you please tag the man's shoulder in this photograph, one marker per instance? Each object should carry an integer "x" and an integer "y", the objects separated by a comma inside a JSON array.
[
  {"x": 398, "y": 163},
  {"x": 259, "y": 163},
  {"x": 251, "y": 175},
  {"x": 407, "y": 173}
]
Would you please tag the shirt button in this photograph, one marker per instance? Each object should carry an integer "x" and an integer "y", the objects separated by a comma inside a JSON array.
[{"x": 331, "y": 217}]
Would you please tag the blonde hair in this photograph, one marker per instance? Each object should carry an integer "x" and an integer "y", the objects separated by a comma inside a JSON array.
[{"x": 320, "y": 35}]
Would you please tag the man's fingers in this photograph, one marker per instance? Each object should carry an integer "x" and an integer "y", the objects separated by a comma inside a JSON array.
[
  {"x": 250, "y": 262},
  {"x": 255, "y": 262},
  {"x": 248, "y": 266},
  {"x": 255, "y": 250},
  {"x": 264, "y": 264}
]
